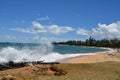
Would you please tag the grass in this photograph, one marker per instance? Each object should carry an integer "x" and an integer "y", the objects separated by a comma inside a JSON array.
[
  {"x": 7, "y": 78},
  {"x": 94, "y": 71}
]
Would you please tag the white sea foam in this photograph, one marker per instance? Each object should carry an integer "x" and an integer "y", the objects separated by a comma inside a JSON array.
[
  {"x": 108, "y": 49},
  {"x": 25, "y": 54},
  {"x": 57, "y": 56},
  {"x": 38, "y": 54}
]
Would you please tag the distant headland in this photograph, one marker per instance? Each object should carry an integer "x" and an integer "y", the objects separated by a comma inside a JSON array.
[{"x": 112, "y": 43}]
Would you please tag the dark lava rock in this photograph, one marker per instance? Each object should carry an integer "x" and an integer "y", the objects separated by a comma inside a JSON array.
[{"x": 11, "y": 64}]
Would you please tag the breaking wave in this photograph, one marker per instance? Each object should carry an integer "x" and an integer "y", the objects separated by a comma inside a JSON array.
[
  {"x": 43, "y": 52},
  {"x": 17, "y": 55}
]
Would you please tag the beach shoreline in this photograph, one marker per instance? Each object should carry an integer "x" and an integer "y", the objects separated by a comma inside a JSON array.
[
  {"x": 112, "y": 55},
  {"x": 67, "y": 60},
  {"x": 77, "y": 65}
]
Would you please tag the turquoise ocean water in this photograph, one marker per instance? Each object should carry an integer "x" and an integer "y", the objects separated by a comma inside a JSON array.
[{"x": 19, "y": 52}]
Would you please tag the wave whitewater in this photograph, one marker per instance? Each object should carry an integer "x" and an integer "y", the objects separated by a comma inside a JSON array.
[
  {"x": 25, "y": 55},
  {"x": 43, "y": 52}
]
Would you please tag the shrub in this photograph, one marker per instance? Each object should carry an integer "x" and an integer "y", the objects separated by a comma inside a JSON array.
[{"x": 4, "y": 78}]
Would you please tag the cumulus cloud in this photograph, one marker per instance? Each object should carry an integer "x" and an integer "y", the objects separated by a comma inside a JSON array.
[
  {"x": 36, "y": 28},
  {"x": 55, "y": 29},
  {"x": 84, "y": 32},
  {"x": 107, "y": 31},
  {"x": 103, "y": 31},
  {"x": 39, "y": 28},
  {"x": 37, "y": 25}
]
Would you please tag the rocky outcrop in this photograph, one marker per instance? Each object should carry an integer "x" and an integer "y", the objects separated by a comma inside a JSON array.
[
  {"x": 12, "y": 65},
  {"x": 47, "y": 70}
]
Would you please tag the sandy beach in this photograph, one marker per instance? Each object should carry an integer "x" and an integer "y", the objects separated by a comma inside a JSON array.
[
  {"x": 98, "y": 57},
  {"x": 103, "y": 63}
]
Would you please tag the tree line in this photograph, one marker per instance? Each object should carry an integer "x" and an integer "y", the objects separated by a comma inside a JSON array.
[{"x": 114, "y": 43}]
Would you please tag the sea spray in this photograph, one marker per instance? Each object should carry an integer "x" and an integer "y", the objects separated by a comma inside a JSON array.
[
  {"x": 25, "y": 53},
  {"x": 28, "y": 52}
]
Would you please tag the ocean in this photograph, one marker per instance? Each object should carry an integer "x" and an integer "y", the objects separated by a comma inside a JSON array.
[{"x": 27, "y": 52}]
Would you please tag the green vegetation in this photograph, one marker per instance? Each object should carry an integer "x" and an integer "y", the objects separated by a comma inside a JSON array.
[
  {"x": 114, "y": 43},
  {"x": 4, "y": 78}
]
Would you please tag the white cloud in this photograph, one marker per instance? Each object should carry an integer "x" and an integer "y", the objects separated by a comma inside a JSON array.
[
  {"x": 39, "y": 28},
  {"x": 36, "y": 28},
  {"x": 55, "y": 29},
  {"x": 43, "y": 39},
  {"x": 21, "y": 30},
  {"x": 43, "y": 18},
  {"x": 15, "y": 38},
  {"x": 7, "y": 38},
  {"x": 107, "y": 31},
  {"x": 36, "y": 37},
  {"x": 84, "y": 32},
  {"x": 103, "y": 31},
  {"x": 37, "y": 25}
]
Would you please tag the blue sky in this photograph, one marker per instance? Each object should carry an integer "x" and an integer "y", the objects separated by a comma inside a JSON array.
[{"x": 58, "y": 20}]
